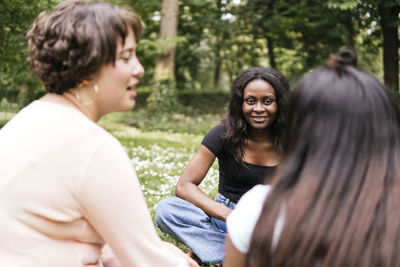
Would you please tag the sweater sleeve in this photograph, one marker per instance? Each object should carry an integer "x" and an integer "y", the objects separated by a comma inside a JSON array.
[{"x": 113, "y": 203}]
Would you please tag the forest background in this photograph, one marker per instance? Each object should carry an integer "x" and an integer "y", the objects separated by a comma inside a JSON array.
[{"x": 192, "y": 50}]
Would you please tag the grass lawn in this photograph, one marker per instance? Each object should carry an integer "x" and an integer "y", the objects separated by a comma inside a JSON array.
[{"x": 159, "y": 157}]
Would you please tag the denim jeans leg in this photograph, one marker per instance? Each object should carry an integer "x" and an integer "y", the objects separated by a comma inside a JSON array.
[{"x": 191, "y": 225}]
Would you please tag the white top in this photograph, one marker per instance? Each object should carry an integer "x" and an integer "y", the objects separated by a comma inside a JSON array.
[
  {"x": 66, "y": 187},
  {"x": 242, "y": 220}
]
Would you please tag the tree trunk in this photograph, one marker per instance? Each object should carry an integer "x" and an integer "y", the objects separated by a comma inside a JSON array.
[
  {"x": 217, "y": 71},
  {"x": 348, "y": 24},
  {"x": 271, "y": 54},
  {"x": 169, "y": 28},
  {"x": 218, "y": 62},
  {"x": 389, "y": 17}
]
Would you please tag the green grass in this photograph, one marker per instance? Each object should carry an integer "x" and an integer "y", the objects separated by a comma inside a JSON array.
[
  {"x": 5, "y": 117},
  {"x": 159, "y": 157},
  {"x": 187, "y": 120},
  {"x": 7, "y": 111}
]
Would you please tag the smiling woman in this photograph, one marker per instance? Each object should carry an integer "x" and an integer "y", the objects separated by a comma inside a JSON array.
[
  {"x": 259, "y": 104},
  {"x": 68, "y": 186},
  {"x": 247, "y": 145}
]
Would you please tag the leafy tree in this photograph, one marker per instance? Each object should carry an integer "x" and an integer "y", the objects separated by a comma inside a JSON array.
[
  {"x": 217, "y": 39},
  {"x": 298, "y": 34},
  {"x": 149, "y": 47},
  {"x": 164, "y": 73},
  {"x": 168, "y": 33},
  {"x": 377, "y": 26},
  {"x": 16, "y": 82},
  {"x": 194, "y": 62}
]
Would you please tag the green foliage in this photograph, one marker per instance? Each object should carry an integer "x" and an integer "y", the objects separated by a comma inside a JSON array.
[
  {"x": 7, "y": 111},
  {"x": 172, "y": 122},
  {"x": 191, "y": 113},
  {"x": 342, "y": 4},
  {"x": 7, "y": 106},
  {"x": 15, "y": 78},
  {"x": 163, "y": 98},
  {"x": 216, "y": 40},
  {"x": 196, "y": 58},
  {"x": 2, "y": 123},
  {"x": 150, "y": 46},
  {"x": 148, "y": 51},
  {"x": 210, "y": 101}
]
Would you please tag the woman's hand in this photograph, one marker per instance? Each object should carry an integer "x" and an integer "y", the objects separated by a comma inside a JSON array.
[
  {"x": 109, "y": 259},
  {"x": 179, "y": 253}
]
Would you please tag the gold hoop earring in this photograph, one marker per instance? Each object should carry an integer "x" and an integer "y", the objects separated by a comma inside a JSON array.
[{"x": 96, "y": 89}]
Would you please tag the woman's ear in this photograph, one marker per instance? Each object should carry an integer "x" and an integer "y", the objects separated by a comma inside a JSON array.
[{"x": 84, "y": 83}]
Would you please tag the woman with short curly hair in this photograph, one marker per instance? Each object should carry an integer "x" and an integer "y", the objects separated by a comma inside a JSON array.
[{"x": 67, "y": 186}]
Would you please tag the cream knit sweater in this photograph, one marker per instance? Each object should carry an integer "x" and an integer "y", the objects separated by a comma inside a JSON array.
[{"x": 67, "y": 187}]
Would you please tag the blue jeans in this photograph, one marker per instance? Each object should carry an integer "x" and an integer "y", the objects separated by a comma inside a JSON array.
[{"x": 203, "y": 234}]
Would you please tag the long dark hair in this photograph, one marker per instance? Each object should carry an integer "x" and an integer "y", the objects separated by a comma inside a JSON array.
[
  {"x": 338, "y": 184},
  {"x": 235, "y": 123}
]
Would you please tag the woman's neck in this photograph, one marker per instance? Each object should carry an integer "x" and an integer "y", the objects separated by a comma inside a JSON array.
[
  {"x": 260, "y": 136},
  {"x": 261, "y": 150},
  {"x": 73, "y": 101}
]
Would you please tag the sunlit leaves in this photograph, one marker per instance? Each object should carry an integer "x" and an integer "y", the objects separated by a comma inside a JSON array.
[{"x": 342, "y": 4}]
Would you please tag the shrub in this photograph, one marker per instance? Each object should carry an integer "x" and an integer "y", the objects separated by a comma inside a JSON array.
[{"x": 200, "y": 101}]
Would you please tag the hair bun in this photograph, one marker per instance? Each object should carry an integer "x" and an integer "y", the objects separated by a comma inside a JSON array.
[{"x": 346, "y": 57}]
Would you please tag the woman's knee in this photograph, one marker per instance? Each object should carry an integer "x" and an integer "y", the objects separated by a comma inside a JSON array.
[{"x": 165, "y": 210}]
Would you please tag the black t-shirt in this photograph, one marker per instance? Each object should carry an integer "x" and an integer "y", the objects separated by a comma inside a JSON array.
[{"x": 234, "y": 178}]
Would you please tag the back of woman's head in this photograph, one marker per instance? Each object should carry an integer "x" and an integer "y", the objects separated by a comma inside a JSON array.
[
  {"x": 237, "y": 126},
  {"x": 70, "y": 43},
  {"x": 341, "y": 107},
  {"x": 338, "y": 183}
]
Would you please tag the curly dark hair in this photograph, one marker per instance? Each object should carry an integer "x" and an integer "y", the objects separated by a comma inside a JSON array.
[
  {"x": 70, "y": 43},
  {"x": 236, "y": 125}
]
